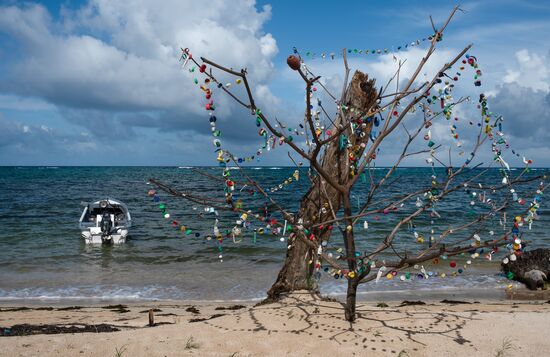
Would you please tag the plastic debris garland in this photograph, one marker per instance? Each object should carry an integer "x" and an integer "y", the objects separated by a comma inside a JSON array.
[
  {"x": 440, "y": 103},
  {"x": 364, "y": 52},
  {"x": 342, "y": 151}
]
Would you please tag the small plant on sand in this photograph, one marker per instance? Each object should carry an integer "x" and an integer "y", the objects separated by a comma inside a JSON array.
[
  {"x": 120, "y": 351},
  {"x": 506, "y": 348},
  {"x": 191, "y": 344},
  {"x": 403, "y": 353}
]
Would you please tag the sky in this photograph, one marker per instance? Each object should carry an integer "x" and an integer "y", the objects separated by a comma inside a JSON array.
[{"x": 99, "y": 82}]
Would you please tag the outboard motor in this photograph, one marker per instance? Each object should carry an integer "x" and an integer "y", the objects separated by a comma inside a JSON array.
[{"x": 106, "y": 224}]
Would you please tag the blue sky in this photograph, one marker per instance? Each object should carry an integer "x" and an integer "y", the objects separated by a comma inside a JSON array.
[{"x": 98, "y": 82}]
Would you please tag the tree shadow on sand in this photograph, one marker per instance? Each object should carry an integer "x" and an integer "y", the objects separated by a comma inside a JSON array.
[{"x": 375, "y": 329}]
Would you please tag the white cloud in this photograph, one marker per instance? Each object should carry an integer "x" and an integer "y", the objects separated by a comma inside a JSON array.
[
  {"x": 532, "y": 71},
  {"x": 123, "y": 56}
]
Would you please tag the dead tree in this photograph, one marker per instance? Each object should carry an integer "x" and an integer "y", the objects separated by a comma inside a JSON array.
[
  {"x": 348, "y": 151},
  {"x": 322, "y": 200}
]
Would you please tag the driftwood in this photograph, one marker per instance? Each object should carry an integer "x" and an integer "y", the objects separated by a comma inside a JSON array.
[
  {"x": 151, "y": 317},
  {"x": 531, "y": 268}
]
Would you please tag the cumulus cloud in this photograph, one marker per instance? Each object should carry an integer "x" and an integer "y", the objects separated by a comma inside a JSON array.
[
  {"x": 526, "y": 111},
  {"x": 122, "y": 56},
  {"x": 532, "y": 72},
  {"x": 521, "y": 96},
  {"x": 523, "y": 99}
]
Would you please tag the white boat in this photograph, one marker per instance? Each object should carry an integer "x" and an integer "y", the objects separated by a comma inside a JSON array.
[{"x": 105, "y": 221}]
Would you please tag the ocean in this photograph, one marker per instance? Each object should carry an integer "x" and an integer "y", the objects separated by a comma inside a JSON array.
[{"x": 44, "y": 258}]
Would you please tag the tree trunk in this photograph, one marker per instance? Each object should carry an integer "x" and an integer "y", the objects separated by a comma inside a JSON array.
[
  {"x": 296, "y": 273},
  {"x": 315, "y": 206},
  {"x": 349, "y": 241},
  {"x": 351, "y": 296}
]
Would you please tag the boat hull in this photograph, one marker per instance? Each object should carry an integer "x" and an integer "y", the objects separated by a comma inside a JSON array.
[{"x": 116, "y": 238}]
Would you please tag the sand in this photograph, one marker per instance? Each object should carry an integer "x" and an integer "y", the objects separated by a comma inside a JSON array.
[{"x": 299, "y": 325}]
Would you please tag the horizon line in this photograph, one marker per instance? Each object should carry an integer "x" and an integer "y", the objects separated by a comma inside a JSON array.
[{"x": 256, "y": 166}]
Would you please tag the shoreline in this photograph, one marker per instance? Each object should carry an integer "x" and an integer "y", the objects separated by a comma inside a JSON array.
[
  {"x": 518, "y": 296},
  {"x": 516, "y": 292},
  {"x": 299, "y": 324}
]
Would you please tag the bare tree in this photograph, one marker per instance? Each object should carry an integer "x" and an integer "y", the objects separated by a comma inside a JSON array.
[{"x": 346, "y": 151}]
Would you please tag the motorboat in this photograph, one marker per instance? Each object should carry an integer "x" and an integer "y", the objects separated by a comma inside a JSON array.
[{"x": 105, "y": 221}]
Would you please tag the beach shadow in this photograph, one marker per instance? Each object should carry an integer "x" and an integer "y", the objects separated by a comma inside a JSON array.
[{"x": 387, "y": 330}]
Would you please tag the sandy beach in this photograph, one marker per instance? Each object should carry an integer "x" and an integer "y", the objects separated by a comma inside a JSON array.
[{"x": 299, "y": 325}]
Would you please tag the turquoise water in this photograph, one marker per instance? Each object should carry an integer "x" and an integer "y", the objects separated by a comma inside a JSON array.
[{"x": 42, "y": 255}]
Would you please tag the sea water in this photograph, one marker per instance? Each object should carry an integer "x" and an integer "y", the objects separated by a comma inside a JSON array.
[{"x": 43, "y": 257}]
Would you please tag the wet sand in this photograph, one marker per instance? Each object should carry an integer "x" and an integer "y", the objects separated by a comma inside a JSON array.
[{"x": 299, "y": 325}]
